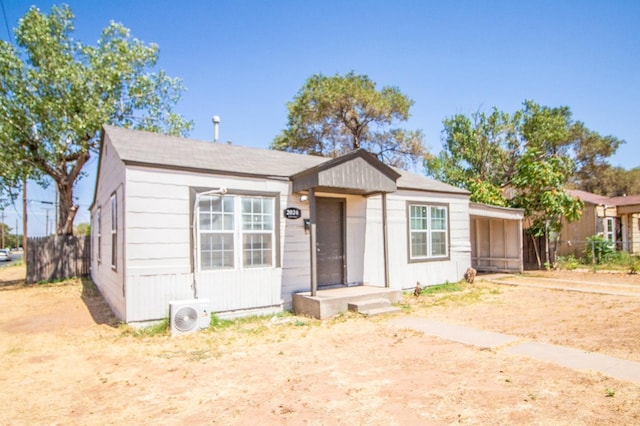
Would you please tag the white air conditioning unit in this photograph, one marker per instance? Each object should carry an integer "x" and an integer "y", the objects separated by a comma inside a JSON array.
[{"x": 187, "y": 316}]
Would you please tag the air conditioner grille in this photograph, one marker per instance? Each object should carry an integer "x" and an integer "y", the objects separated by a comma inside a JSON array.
[{"x": 186, "y": 319}]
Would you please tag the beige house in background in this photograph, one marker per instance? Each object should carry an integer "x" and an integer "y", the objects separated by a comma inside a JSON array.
[{"x": 615, "y": 218}]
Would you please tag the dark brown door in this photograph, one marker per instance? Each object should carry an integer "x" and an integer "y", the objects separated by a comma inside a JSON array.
[{"x": 330, "y": 241}]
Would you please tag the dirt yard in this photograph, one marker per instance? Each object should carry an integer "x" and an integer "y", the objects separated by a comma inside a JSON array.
[{"x": 65, "y": 361}]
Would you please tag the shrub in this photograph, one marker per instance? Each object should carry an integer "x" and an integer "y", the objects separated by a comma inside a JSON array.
[
  {"x": 569, "y": 262},
  {"x": 599, "y": 249}
]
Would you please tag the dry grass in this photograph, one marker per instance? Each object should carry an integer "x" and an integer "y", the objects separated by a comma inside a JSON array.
[{"x": 60, "y": 340}]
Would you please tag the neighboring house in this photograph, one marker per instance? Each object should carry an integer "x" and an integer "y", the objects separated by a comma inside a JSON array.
[
  {"x": 615, "y": 218},
  {"x": 180, "y": 219}
]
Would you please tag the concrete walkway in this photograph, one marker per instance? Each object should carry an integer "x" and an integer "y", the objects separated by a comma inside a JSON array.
[{"x": 567, "y": 357}]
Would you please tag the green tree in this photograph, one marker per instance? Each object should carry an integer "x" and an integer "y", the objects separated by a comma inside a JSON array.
[
  {"x": 330, "y": 116},
  {"x": 592, "y": 151},
  {"x": 82, "y": 229},
  {"x": 8, "y": 237},
  {"x": 56, "y": 93},
  {"x": 5, "y": 233},
  {"x": 521, "y": 160},
  {"x": 630, "y": 184},
  {"x": 479, "y": 154},
  {"x": 539, "y": 182},
  {"x": 480, "y": 151},
  {"x": 546, "y": 129}
]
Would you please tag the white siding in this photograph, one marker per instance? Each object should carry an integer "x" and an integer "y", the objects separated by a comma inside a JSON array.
[
  {"x": 373, "y": 250},
  {"x": 356, "y": 238},
  {"x": 240, "y": 289},
  {"x": 159, "y": 250},
  {"x": 402, "y": 274},
  {"x": 364, "y": 244},
  {"x": 296, "y": 263},
  {"x": 148, "y": 296},
  {"x": 109, "y": 281}
]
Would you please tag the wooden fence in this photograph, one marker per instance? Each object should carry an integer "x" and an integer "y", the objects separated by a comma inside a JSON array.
[
  {"x": 529, "y": 258},
  {"x": 57, "y": 257}
]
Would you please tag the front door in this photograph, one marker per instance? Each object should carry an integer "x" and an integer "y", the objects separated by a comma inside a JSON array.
[{"x": 330, "y": 241}]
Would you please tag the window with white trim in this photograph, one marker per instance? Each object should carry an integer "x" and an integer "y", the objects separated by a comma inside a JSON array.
[
  {"x": 235, "y": 231},
  {"x": 609, "y": 229},
  {"x": 428, "y": 231},
  {"x": 114, "y": 231}
]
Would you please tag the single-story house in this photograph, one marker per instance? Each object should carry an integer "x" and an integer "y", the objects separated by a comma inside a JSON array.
[
  {"x": 246, "y": 228},
  {"x": 615, "y": 218}
]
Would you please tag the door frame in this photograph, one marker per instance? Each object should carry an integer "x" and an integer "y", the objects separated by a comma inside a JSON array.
[{"x": 343, "y": 219}]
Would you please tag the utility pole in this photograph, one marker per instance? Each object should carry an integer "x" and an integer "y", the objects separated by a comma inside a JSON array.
[
  {"x": 2, "y": 230},
  {"x": 24, "y": 219}
]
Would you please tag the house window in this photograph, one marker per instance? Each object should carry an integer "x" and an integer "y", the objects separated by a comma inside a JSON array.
[
  {"x": 235, "y": 231},
  {"x": 257, "y": 231},
  {"x": 114, "y": 231},
  {"x": 609, "y": 229},
  {"x": 428, "y": 232},
  {"x": 99, "y": 234},
  {"x": 216, "y": 228}
]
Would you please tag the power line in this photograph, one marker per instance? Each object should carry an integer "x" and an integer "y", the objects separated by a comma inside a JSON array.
[{"x": 6, "y": 21}]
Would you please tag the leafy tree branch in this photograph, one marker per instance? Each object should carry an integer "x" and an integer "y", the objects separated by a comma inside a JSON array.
[{"x": 56, "y": 93}]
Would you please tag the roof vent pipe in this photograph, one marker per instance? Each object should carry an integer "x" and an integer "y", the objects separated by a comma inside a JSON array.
[{"x": 216, "y": 127}]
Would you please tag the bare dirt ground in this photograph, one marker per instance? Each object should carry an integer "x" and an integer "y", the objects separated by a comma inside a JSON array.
[{"x": 64, "y": 360}]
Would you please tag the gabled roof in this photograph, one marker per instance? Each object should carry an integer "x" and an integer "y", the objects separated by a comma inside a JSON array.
[
  {"x": 589, "y": 197},
  {"x": 357, "y": 172},
  {"x": 410, "y": 180},
  {"x": 625, "y": 200},
  {"x": 149, "y": 149},
  {"x": 156, "y": 150}
]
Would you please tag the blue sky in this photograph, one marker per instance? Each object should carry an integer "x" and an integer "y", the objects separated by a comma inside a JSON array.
[{"x": 244, "y": 60}]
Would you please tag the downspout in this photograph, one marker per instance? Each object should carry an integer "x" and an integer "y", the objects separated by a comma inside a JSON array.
[
  {"x": 385, "y": 245},
  {"x": 196, "y": 265}
]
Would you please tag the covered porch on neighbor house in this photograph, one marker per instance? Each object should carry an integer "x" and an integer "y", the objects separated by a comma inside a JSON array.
[{"x": 628, "y": 210}]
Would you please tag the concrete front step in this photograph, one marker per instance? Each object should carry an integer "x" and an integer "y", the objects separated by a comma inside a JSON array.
[
  {"x": 380, "y": 311},
  {"x": 368, "y": 304},
  {"x": 373, "y": 307},
  {"x": 329, "y": 302}
]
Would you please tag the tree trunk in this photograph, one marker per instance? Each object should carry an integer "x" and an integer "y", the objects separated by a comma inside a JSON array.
[
  {"x": 536, "y": 250},
  {"x": 65, "y": 179},
  {"x": 547, "y": 249},
  {"x": 67, "y": 210}
]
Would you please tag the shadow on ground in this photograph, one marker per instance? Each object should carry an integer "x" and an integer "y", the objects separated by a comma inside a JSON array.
[{"x": 97, "y": 306}]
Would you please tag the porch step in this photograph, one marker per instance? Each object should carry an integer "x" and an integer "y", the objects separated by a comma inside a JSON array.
[
  {"x": 329, "y": 302},
  {"x": 380, "y": 311},
  {"x": 372, "y": 307}
]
